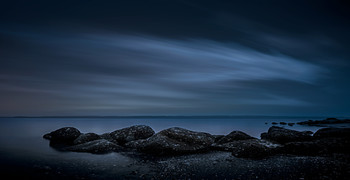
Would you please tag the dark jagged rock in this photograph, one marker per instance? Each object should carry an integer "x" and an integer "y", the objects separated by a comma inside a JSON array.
[
  {"x": 64, "y": 135},
  {"x": 291, "y": 124},
  {"x": 100, "y": 146},
  {"x": 83, "y": 138},
  {"x": 132, "y": 133},
  {"x": 174, "y": 141},
  {"x": 283, "y": 123},
  {"x": 282, "y": 135},
  {"x": 234, "y": 136},
  {"x": 250, "y": 148},
  {"x": 274, "y": 123},
  {"x": 324, "y": 122},
  {"x": 332, "y": 132}
]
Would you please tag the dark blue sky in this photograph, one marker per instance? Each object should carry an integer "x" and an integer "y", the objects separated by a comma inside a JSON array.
[{"x": 175, "y": 57}]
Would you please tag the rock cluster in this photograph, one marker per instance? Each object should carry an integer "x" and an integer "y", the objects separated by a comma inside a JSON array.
[
  {"x": 179, "y": 141},
  {"x": 325, "y": 121}
]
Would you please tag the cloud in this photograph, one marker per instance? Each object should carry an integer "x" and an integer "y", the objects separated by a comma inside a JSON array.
[{"x": 123, "y": 72}]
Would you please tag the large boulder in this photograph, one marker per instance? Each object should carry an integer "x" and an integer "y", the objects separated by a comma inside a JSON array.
[
  {"x": 132, "y": 133},
  {"x": 63, "y": 135},
  {"x": 83, "y": 138},
  {"x": 282, "y": 135},
  {"x": 332, "y": 132},
  {"x": 174, "y": 141},
  {"x": 99, "y": 146},
  {"x": 234, "y": 136}
]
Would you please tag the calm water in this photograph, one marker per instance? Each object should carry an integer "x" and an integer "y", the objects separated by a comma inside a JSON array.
[{"x": 22, "y": 137}]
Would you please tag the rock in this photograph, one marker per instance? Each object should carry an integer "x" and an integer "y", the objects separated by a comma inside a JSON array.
[
  {"x": 325, "y": 121},
  {"x": 106, "y": 136},
  {"x": 263, "y": 135},
  {"x": 274, "y": 123},
  {"x": 63, "y": 135},
  {"x": 174, "y": 141},
  {"x": 99, "y": 146},
  {"x": 317, "y": 147},
  {"x": 250, "y": 148},
  {"x": 283, "y": 123},
  {"x": 291, "y": 124},
  {"x": 132, "y": 133},
  {"x": 282, "y": 135},
  {"x": 217, "y": 137},
  {"x": 83, "y": 138},
  {"x": 332, "y": 132},
  {"x": 234, "y": 136}
]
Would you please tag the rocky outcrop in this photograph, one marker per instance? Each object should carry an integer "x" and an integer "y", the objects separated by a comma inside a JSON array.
[
  {"x": 174, "y": 141},
  {"x": 282, "y": 135},
  {"x": 234, "y": 136},
  {"x": 332, "y": 133},
  {"x": 132, "y": 133},
  {"x": 100, "y": 146},
  {"x": 64, "y": 135},
  {"x": 83, "y": 138}
]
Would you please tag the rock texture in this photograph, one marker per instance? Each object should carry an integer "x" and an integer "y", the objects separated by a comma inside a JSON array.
[
  {"x": 282, "y": 135},
  {"x": 83, "y": 138},
  {"x": 174, "y": 141},
  {"x": 132, "y": 133},
  {"x": 97, "y": 147},
  {"x": 63, "y": 135},
  {"x": 250, "y": 148},
  {"x": 234, "y": 136}
]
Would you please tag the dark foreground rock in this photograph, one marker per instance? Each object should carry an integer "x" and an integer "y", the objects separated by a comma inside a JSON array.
[
  {"x": 63, "y": 135},
  {"x": 174, "y": 141},
  {"x": 234, "y": 136},
  {"x": 282, "y": 135},
  {"x": 100, "y": 146},
  {"x": 132, "y": 133}
]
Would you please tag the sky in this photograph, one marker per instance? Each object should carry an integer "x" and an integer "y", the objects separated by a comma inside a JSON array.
[{"x": 178, "y": 57}]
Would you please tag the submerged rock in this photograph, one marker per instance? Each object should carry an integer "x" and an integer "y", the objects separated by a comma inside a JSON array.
[
  {"x": 63, "y": 135},
  {"x": 132, "y": 133},
  {"x": 234, "y": 136},
  {"x": 282, "y": 135},
  {"x": 332, "y": 132},
  {"x": 174, "y": 141},
  {"x": 83, "y": 138},
  {"x": 97, "y": 146}
]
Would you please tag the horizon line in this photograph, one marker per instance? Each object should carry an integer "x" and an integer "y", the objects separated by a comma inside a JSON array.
[{"x": 168, "y": 116}]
